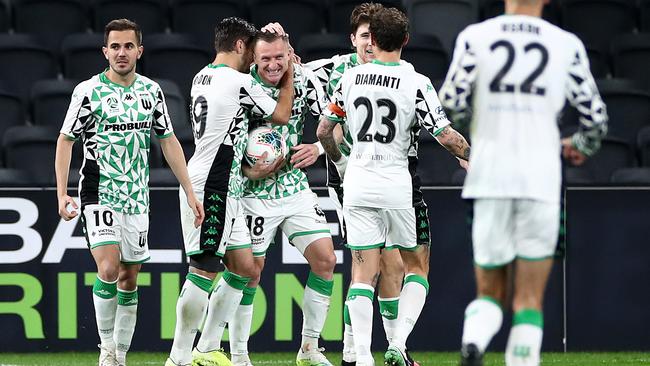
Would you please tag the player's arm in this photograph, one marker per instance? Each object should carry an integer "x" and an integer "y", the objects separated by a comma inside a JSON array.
[
  {"x": 454, "y": 142},
  {"x": 174, "y": 155},
  {"x": 325, "y": 133},
  {"x": 583, "y": 95},
  {"x": 261, "y": 169},
  {"x": 456, "y": 91},
  {"x": 282, "y": 111}
]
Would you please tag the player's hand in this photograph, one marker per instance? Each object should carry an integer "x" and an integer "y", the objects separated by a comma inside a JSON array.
[
  {"x": 64, "y": 201},
  {"x": 261, "y": 169},
  {"x": 275, "y": 27},
  {"x": 463, "y": 163},
  {"x": 304, "y": 155},
  {"x": 571, "y": 154},
  {"x": 197, "y": 209},
  {"x": 287, "y": 78},
  {"x": 293, "y": 57}
]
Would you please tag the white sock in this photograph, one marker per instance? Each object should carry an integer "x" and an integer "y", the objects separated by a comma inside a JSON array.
[
  {"x": 223, "y": 303},
  {"x": 239, "y": 329},
  {"x": 411, "y": 301},
  {"x": 349, "y": 354},
  {"x": 125, "y": 319},
  {"x": 360, "y": 305},
  {"x": 388, "y": 308},
  {"x": 190, "y": 310},
  {"x": 483, "y": 318},
  {"x": 525, "y": 340},
  {"x": 105, "y": 302},
  {"x": 315, "y": 303}
]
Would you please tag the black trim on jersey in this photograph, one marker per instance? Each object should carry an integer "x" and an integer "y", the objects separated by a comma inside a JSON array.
[
  {"x": 219, "y": 174},
  {"x": 89, "y": 183},
  {"x": 215, "y": 220},
  {"x": 333, "y": 178},
  {"x": 417, "y": 197}
]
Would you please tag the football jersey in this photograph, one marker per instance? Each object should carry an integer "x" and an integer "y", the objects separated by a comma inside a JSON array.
[
  {"x": 329, "y": 72},
  {"x": 384, "y": 105},
  {"x": 308, "y": 98},
  {"x": 223, "y": 99},
  {"x": 114, "y": 123},
  {"x": 519, "y": 70}
]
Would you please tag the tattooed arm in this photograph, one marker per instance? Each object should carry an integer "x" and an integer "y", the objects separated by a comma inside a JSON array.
[
  {"x": 454, "y": 142},
  {"x": 325, "y": 135}
]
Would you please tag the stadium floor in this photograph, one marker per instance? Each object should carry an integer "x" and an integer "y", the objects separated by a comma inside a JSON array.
[{"x": 287, "y": 359}]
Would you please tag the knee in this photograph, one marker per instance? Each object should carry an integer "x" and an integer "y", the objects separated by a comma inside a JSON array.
[
  {"x": 108, "y": 271},
  {"x": 324, "y": 264}
]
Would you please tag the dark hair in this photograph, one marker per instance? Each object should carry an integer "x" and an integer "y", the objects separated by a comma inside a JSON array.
[
  {"x": 389, "y": 28},
  {"x": 230, "y": 30},
  {"x": 362, "y": 14},
  {"x": 122, "y": 25}
]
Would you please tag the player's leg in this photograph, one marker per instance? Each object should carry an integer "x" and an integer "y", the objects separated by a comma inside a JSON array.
[
  {"x": 239, "y": 328},
  {"x": 389, "y": 288},
  {"x": 537, "y": 226},
  {"x": 134, "y": 249},
  {"x": 493, "y": 251},
  {"x": 366, "y": 237},
  {"x": 103, "y": 241},
  {"x": 349, "y": 355}
]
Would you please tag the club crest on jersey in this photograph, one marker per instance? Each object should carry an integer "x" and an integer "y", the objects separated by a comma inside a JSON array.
[
  {"x": 112, "y": 106},
  {"x": 145, "y": 101}
]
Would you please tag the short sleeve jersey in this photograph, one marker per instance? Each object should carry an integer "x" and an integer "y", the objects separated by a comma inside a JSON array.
[
  {"x": 309, "y": 97},
  {"x": 222, "y": 101},
  {"x": 384, "y": 105},
  {"x": 115, "y": 123},
  {"x": 519, "y": 70}
]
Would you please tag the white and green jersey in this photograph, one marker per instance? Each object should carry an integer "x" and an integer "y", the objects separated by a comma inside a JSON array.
[
  {"x": 329, "y": 72},
  {"x": 384, "y": 105},
  {"x": 114, "y": 123},
  {"x": 223, "y": 100},
  {"x": 309, "y": 97}
]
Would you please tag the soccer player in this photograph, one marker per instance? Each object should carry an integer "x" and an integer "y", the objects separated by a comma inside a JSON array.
[
  {"x": 285, "y": 202},
  {"x": 518, "y": 71},
  {"x": 113, "y": 114},
  {"x": 384, "y": 103},
  {"x": 329, "y": 72},
  {"x": 224, "y": 97}
]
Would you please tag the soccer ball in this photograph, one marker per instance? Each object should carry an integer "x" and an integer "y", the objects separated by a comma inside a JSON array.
[{"x": 265, "y": 139}]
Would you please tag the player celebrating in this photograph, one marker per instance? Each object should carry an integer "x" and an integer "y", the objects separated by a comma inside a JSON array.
[
  {"x": 284, "y": 201},
  {"x": 329, "y": 72},
  {"x": 384, "y": 103},
  {"x": 224, "y": 95},
  {"x": 113, "y": 113},
  {"x": 518, "y": 69}
]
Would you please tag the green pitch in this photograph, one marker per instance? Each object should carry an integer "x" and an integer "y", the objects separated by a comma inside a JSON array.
[{"x": 261, "y": 359}]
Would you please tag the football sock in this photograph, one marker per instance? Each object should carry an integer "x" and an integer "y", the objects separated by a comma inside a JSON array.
[
  {"x": 525, "y": 340},
  {"x": 315, "y": 303},
  {"x": 388, "y": 310},
  {"x": 360, "y": 305},
  {"x": 349, "y": 354},
  {"x": 223, "y": 303},
  {"x": 190, "y": 310},
  {"x": 125, "y": 319},
  {"x": 411, "y": 301},
  {"x": 483, "y": 318},
  {"x": 105, "y": 302},
  {"x": 239, "y": 329}
]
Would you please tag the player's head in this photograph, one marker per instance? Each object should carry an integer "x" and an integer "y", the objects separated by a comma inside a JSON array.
[
  {"x": 359, "y": 33},
  {"x": 271, "y": 55},
  {"x": 122, "y": 45},
  {"x": 389, "y": 29},
  {"x": 235, "y": 35}
]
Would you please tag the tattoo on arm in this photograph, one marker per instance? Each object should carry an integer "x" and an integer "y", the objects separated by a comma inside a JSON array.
[
  {"x": 325, "y": 134},
  {"x": 454, "y": 142}
]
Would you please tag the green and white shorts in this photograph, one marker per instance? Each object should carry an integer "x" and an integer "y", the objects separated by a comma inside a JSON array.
[
  {"x": 104, "y": 226},
  {"x": 505, "y": 229},
  {"x": 369, "y": 227},
  {"x": 223, "y": 228},
  {"x": 298, "y": 216}
]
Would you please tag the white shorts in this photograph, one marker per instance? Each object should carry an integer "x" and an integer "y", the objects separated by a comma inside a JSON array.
[
  {"x": 298, "y": 216},
  {"x": 104, "y": 226},
  {"x": 369, "y": 227},
  {"x": 223, "y": 228},
  {"x": 503, "y": 229}
]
